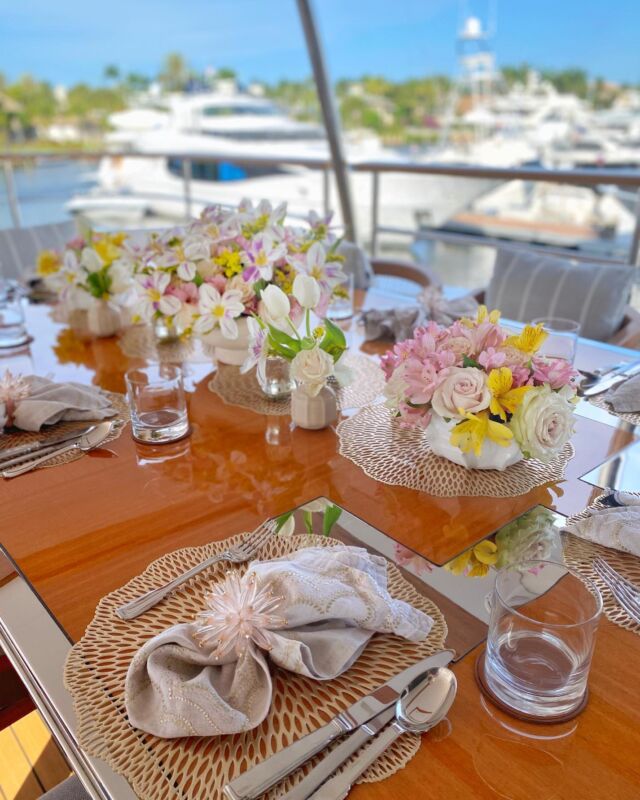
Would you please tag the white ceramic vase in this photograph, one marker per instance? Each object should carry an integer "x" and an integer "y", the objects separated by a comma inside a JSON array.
[
  {"x": 103, "y": 319},
  {"x": 313, "y": 412},
  {"x": 231, "y": 351},
  {"x": 493, "y": 456}
]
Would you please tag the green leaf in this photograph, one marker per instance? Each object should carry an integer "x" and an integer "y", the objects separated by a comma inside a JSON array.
[
  {"x": 334, "y": 341},
  {"x": 331, "y": 516},
  {"x": 99, "y": 283},
  {"x": 470, "y": 362},
  {"x": 285, "y": 345},
  {"x": 308, "y": 521},
  {"x": 198, "y": 280},
  {"x": 258, "y": 286},
  {"x": 282, "y": 519}
]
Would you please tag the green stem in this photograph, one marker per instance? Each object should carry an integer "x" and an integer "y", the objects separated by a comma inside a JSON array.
[
  {"x": 293, "y": 328},
  {"x": 308, "y": 323}
]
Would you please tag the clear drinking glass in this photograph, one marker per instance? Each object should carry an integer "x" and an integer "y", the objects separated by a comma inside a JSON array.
[
  {"x": 275, "y": 378},
  {"x": 341, "y": 305},
  {"x": 13, "y": 332},
  {"x": 158, "y": 403},
  {"x": 542, "y": 629},
  {"x": 562, "y": 340}
]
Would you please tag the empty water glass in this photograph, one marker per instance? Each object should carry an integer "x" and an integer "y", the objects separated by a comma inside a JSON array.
[
  {"x": 13, "y": 332},
  {"x": 542, "y": 629},
  {"x": 341, "y": 305},
  {"x": 158, "y": 403},
  {"x": 562, "y": 340}
]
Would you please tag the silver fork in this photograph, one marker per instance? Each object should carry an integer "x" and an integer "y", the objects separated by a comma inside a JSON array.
[
  {"x": 245, "y": 551},
  {"x": 627, "y": 595}
]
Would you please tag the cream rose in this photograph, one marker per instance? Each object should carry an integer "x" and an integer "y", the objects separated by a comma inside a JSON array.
[
  {"x": 542, "y": 423},
  {"x": 463, "y": 388},
  {"x": 312, "y": 368}
]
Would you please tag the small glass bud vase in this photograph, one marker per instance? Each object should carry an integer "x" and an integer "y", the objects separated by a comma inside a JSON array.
[
  {"x": 275, "y": 378},
  {"x": 103, "y": 319},
  {"x": 313, "y": 412},
  {"x": 165, "y": 331}
]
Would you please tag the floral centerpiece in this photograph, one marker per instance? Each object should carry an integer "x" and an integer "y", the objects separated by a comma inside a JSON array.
[
  {"x": 92, "y": 279},
  {"x": 484, "y": 397},
  {"x": 208, "y": 278},
  {"x": 314, "y": 355}
]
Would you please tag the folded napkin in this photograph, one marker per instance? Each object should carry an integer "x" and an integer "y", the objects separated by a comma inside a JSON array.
[
  {"x": 314, "y": 611},
  {"x": 401, "y": 323},
  {"x": 617, "y": 525},
  {"x": 31, "y": 402},
  {"x": 626, "y": 397}
]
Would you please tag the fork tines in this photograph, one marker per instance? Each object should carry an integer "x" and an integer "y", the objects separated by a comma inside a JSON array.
[
  {"x": 627, "y": 595},
  {"x": 257, "y": 538}
]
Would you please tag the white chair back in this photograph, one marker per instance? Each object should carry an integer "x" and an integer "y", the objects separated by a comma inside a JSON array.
[{"x": 19, "y": 247}]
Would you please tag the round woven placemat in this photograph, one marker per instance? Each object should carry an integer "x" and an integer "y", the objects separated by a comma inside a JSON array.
[
  {"x": 140, "y": 342},
  {"x": 237, "y": 389},
  {"x": 18, "y": 438},
  {"x": 579, "y": 553},
  {"x": 374, "y": 440},
  {"x": 198, "y": 767},
  {"x": 600, "y": 401}
]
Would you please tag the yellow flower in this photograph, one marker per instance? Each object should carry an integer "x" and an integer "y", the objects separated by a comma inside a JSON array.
[
  {"x": 475, "y": 562},
  {"x": 529, "y": 341},
  {"x": 49, "y": 262},
  {"x": 504, "y": 399},
  {"x": 230, "y": 262},
  {"x": 482, "y": 316},
  {"x": 107, "y": 250},
  {"x": 471, "y": 432}
]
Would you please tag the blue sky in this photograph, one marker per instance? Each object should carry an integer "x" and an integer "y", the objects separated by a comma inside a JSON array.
[{"x": 67, "y": 41}]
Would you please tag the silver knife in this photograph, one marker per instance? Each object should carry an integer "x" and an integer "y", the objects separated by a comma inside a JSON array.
[
  {"x": 610, "y": 381},
  {"x": 260, "y": 778},
  {"x": 34, "y": 447},
  {"x": 333, "y": 760}
]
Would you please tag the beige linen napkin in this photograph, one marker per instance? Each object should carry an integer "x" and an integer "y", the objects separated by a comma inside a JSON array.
[
  {"x": 49, "y": 402},
  {"x": 332, "y": 601},
  {"x": 626, "y": 397},
  {"x": 617, "y": 525}
]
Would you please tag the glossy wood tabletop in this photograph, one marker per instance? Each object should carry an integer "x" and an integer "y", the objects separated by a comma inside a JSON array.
[{"x": 81, "y": 530}]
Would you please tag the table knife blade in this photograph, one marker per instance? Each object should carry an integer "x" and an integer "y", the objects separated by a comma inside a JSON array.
[{"x": 610, "y": 381}]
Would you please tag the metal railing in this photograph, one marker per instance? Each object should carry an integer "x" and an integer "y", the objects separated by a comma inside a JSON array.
[{"x": 592, "y": 178}]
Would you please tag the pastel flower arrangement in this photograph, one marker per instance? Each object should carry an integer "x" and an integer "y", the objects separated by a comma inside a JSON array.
[
  {"x": 204, "y": 277},
  {"x": 531, "y": 537},
  {"x": 485, "y": 385},
  {"x": 92, "y": 267},
  {"x": 314, "y": 354}
]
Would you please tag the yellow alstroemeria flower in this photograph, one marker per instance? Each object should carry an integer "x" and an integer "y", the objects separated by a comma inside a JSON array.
[
  {"x": 475, "y": 562},
  {"x": 483, "y": 315},
  {"x": 529, "y": 341},
  {"x": 49, "y": 262},
  {"x": 475, "y": 428},
  {"x": 504, "y": 399},
  {"x": 107, "y": 250}
]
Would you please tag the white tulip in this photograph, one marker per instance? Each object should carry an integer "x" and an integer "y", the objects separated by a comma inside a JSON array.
[
  {"x": 90, "y": 260},
  {"x": 306, "y": 290},
  {"x": 275, "y": 302}
]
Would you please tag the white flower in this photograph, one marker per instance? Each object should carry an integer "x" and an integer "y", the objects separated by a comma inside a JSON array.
[
  {"x": 120, "y": 276},
  {"x": 218, "y": 310},
  {"x": 306, "y": 290},
  {"x": 258, "y": 347},
  {"x": 90, "y": 260},
  {"x": 463, "y": 388},
  {"x": 542, "y": 423},
  {"x": 152, "y": 297},
  {"x": 312, "y": 368},
  {"x": 276, "y": 302},
  {"x": 186, "y": 271},
  {"x": 314, "y": 263}
]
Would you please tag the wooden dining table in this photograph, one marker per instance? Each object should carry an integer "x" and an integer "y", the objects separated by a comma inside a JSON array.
[{"x": 73, "y": 533}]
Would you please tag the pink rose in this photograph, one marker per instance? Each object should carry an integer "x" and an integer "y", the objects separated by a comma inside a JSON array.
[{"x": 462, "y": 388}]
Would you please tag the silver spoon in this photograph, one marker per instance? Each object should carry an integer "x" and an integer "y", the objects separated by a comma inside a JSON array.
[{"x": 416, "y": 712}]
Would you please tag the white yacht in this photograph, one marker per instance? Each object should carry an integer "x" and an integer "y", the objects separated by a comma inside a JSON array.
[{"x": 232, "y": 126}]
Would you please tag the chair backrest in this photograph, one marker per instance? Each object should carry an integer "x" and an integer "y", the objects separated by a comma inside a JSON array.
[
  {"x": 526, "y": 286},
  {"x": 19, "y": 247},
  {"x": 421, "y": 275}
]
